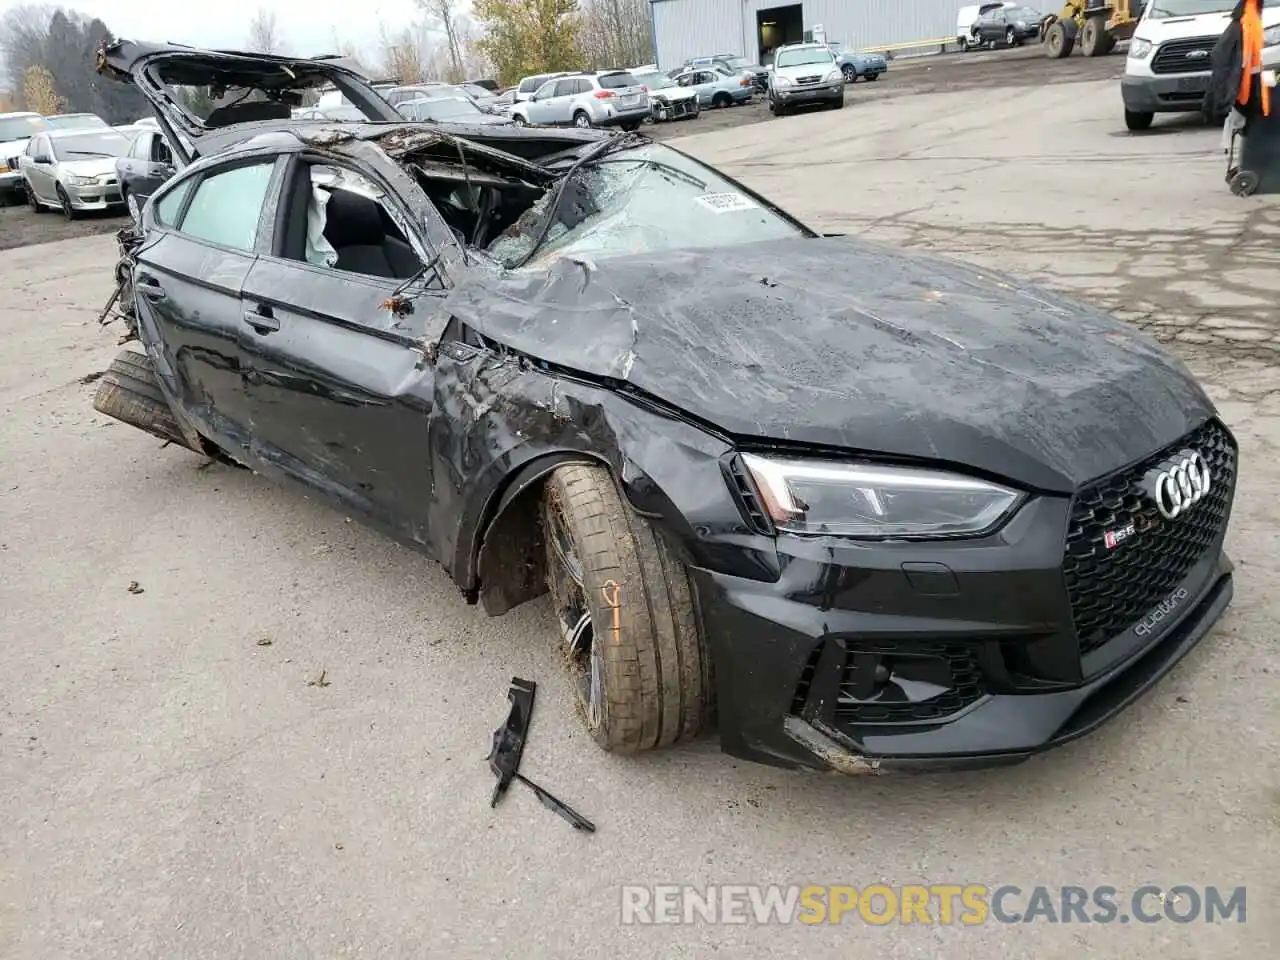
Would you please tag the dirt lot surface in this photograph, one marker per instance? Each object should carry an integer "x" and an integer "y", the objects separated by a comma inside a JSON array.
[{"x": 174, "y": 783}]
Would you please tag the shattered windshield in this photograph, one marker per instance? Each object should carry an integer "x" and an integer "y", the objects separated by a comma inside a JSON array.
[{"x": 643, "y": 200}]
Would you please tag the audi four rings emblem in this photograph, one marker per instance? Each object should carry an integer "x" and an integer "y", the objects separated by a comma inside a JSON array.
[{"x": 1179, "y": 483}]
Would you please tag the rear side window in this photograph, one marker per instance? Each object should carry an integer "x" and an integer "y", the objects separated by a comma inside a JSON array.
[
  {"x": 227, "y": 206},
  {"x": 529, "y": 84},
  {"x": 613, "y": 81}
]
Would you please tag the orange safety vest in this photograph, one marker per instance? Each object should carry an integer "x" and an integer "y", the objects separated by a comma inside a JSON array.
[{"x": 1251, "y": 34}]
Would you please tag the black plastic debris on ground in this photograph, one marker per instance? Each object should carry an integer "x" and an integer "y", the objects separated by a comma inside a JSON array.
[{"x": 508, "y": 748}]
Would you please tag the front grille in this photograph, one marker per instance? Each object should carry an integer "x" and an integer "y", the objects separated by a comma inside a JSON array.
[
  {"x": 1111, "y": 589},
  {"x": 808, "y": 79},
  {"x": 950, "y": 668},
  {"x": 1183, "y": 56}
]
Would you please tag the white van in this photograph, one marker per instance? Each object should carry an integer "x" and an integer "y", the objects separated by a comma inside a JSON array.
[
  {"x": 968, "y": 16},
  {"x": 1167, "y": 69}
]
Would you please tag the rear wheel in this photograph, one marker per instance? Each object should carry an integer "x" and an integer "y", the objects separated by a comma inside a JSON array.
[
  {"x": 1095, "y": 41},
  {"x": 1138, "y": 120},
  {"x": 1010, "y": 38},
  {"x": 32, "y": 202},
  {"x": 580, "y": 119},
  {"x": 625, "y": 610},
  {"x": 721, "y": 100},
  {"x": 872, "y": 77},
  {"x": 631, "y": 126},
  {"x": 963, "y": 44},
  {"x": 518, "y": 120}
]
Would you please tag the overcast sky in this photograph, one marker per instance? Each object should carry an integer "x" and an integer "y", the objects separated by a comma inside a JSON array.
[{"x": 306, "y": 26}]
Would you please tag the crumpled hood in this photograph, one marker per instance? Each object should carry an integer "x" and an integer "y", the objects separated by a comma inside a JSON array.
[{"x": 840, "y": 343}]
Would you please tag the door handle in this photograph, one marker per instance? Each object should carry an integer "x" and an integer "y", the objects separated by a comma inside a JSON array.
[
  {"x": 261, "y": 320},
  {"x": 149, "y": 289}
]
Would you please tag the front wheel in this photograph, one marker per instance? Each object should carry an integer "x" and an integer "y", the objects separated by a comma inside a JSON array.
[
  {"x": 1138, "y": 120},
  {"x": 631, "y": 126},
  {"x": 519, "y": 121},
  {"x": 850, "y": 74},
  {"x": 1010, "y": 38},
  {"x": 64, "y": 201},
  {"x": 624, "y": 606}
]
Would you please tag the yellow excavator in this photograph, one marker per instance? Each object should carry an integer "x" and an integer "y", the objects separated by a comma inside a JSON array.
[{"x": 1099, "y": 25}]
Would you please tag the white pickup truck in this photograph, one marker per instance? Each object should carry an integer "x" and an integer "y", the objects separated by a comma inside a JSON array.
[{"x": 1167, "y": 70}]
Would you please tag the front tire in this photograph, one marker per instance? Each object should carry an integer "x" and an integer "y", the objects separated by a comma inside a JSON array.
[
  {"x": 624, "y": 606},
  {"x": 1010, "y": 38},
  {"x": 631, "y": 126},
  {"x": 1138, "y": 120},
  {"x": 64, "y": 201},
  {"x": 850, "y": 74}
]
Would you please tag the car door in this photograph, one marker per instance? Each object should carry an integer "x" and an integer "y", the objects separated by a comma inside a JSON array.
[
  {"x": 339, "y": 387},
  {"x": 560, "y": 104},
  {"x": 708, "y": 83},
  {"x": 158, "y": 167},
  {"x": 132, "y": 166},
  {"x": 39, "y": 168},
  {"x": 202, "y": 238},
  {"x": 539, "y": 107}
]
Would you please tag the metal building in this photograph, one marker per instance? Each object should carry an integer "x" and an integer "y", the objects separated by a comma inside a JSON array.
[{"x": 752, "y": 28}]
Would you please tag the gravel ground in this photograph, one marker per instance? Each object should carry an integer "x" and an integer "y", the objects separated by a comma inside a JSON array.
[{"x": 174, "y": 783}]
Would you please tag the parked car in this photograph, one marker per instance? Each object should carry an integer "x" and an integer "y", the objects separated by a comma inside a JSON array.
[
  {"x": 73, "y": 170},
  {"x": 734, "y": 65},
  {"x": 450, "y": 110},
  {"x": 1011, "y": 26},
  {"x": 667, "y": 99},
  {"x": 803, "y": 74},
  {"x": 1168, "y": 66},
  {"x": 76, "y": 121},
  {"x": 716, "y": 88},
  {"x": 528, "y": 86},
  {"x": 148, "y": 163},
  {"x": 16, "y": 130},
  {"x": 858, "y": 66},
  {"x": 339, "y": 113},
  {"x": 967, "y": 18},
  {"x": 611, "y": 98},
  {"x": 585, "y": 375}
]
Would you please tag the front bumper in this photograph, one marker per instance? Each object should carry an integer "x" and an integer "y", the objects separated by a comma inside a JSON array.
[
  {"x": 11, "y": 182},
  {"x": 1164, "y": 94},
  {"x": 97, "y": 196},
  {"x": 868, "y": 657},
  {"x": 827, "y": 93},
  {"x": 682, "y": 109}
]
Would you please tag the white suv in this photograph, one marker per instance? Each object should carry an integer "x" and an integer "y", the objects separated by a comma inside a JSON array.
[
  {"x": 609, "y": 98},
  {"x": 804, "y": 73},
  {"x": 1168, "y": 67}
]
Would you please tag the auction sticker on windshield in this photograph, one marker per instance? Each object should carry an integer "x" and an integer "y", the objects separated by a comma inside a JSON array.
[{"x": 726, "y": 202}]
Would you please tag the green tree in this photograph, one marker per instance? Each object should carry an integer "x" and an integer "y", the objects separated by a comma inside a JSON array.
[{"x": 530, "y": 36}]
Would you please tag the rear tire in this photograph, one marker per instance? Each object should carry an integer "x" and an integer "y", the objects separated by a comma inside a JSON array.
[
  {"x": 1137, "y": 120},
  {"x": 128, "y": 391},
  {"x": 518, "y": 120},
  {"x": 625, "y": 608},
  {"x": 872, "y": 77},
  {"x": 1010, "y": 38},
  {"x": 631, "y": 127},
  {"x": 721, "y": 100},
  {"x": 36, "y": 205},
  {"x": 581, "y": 120},
  {"x": 1094, "y": 38}
]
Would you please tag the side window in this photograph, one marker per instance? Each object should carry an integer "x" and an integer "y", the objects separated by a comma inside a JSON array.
[
  {"x": 227, "y": 206},
  {"x": 564, "y": 88},
  {"x": 169, "y": 206},
  {"x": 584, "y": 86},
  {"x": 160, "y": 152},
  {"x": 338, "y": 219}
]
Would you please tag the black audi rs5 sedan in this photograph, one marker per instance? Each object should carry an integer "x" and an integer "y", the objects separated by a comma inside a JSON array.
[{"x": 864, "y": 509}]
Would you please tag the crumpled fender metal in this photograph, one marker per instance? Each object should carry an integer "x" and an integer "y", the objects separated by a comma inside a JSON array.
[{"x": 501, "y": 422}]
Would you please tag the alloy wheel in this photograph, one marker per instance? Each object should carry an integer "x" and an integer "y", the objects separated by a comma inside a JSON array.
[{"x": 568, "y": 590}]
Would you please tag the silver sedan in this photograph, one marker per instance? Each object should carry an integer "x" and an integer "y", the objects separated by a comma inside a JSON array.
[{"x": 74, "y": 170}]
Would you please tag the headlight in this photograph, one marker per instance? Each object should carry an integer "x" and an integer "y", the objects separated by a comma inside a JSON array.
[
  {"x": 81, "y": 181},
  {"x": 781, "y": 81},
  {"x": 834, "y": 76},
  {"x": 1138, "y": 48},
  {"x": 1271, "y": 36},
  {"x": 876, "y": 502}
]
